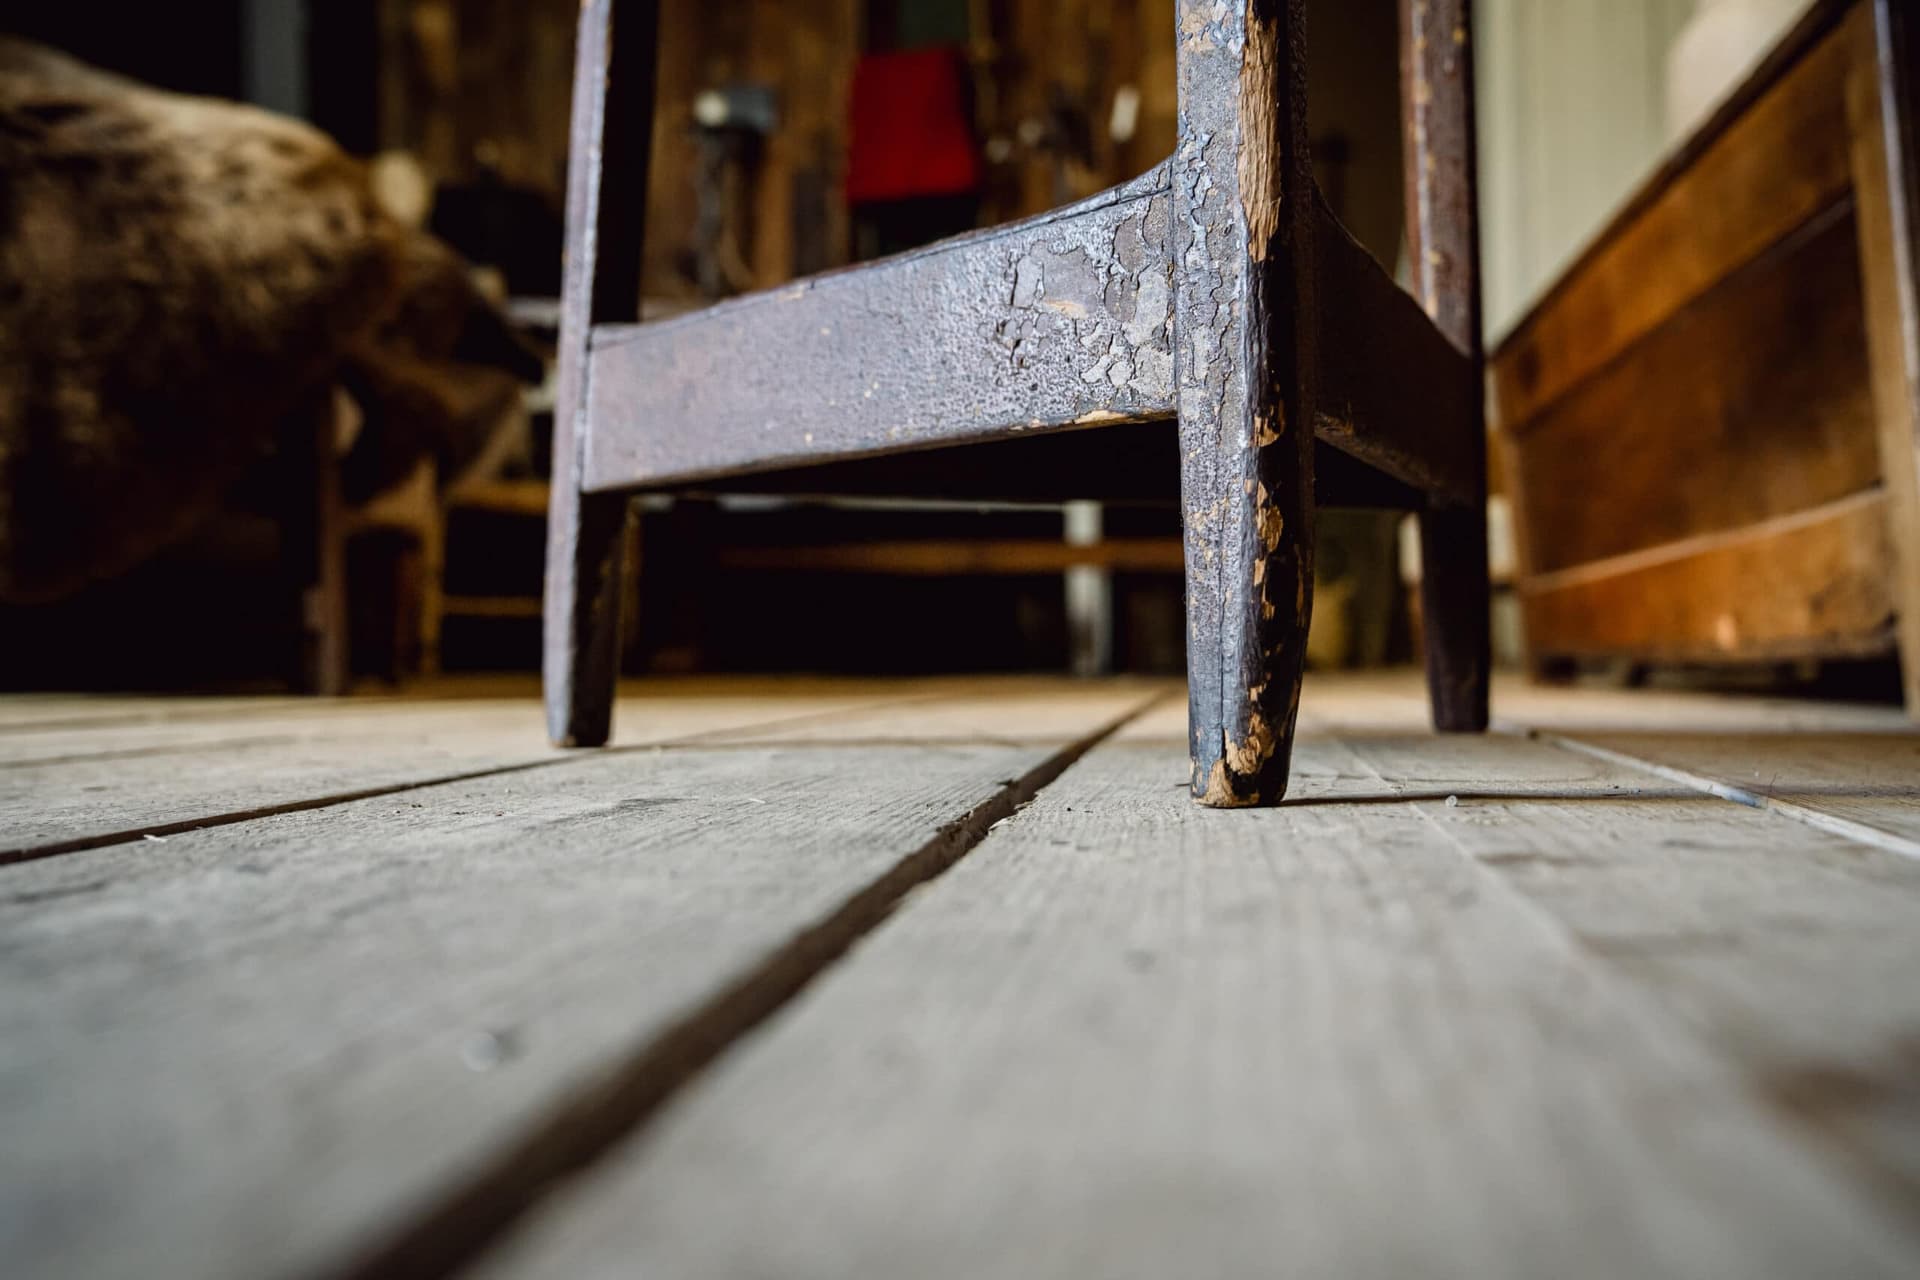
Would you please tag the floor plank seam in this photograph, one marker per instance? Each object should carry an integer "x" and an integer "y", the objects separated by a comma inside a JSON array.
[
  {"x": 21, "y": 854},
  {"x": 143, "y": 720},
  {"x": 137, "y": 753},
  {"x": 1827, "y": 1142},
  {"x": 1892, "y": 1190},
  {"x": 1833, "y": 824},
  {"x": 585, "y": 1126},
  {"x": 242, "y": 709}
]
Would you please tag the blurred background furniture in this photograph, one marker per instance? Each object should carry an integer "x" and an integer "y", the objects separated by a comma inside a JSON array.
[
  {"x": 755, "y": 183},
  {"x": 1709, "y": 421}
]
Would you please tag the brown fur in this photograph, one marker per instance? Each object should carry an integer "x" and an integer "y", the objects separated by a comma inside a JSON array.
[{"x": 175, "y": 273}]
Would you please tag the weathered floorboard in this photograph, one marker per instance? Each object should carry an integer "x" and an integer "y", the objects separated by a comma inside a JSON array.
[
  {"x": 244, "y": 728},
  {"x": 38, "y": 712},
  {"x": 1790, "y": 948},
  {"x": 266, "y": 1049},
  {"x": 1126, "y": 1038},
  {"x": 1869, "y": 780},
  {"x": 1853, "y": 768},
  {"x": 493, "y": 712},
  {"x": 1388, "y": 702},
  {"x": 84, "y": 789}
]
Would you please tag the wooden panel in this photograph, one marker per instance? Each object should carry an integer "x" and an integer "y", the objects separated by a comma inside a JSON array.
[
  {"x": 1881, "y": 107},
  {"x": 1573, "y": 115},
  {"x": 1767, "y": 173},
  {"x": 369, "y": 1033},
  {"x": 1124, "y": 1039},
  {"x": 1810, "y": 584},
  {"x": 1751, "y": 402}
]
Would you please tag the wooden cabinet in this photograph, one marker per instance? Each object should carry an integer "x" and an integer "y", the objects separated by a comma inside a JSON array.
[{"x": 1708, "y": 423}]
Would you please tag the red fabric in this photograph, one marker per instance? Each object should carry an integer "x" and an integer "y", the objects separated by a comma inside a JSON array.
[{"x": 912, "y": 132}]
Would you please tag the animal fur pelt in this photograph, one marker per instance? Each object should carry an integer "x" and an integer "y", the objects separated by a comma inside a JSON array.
[{"x": 176, "y": 273}]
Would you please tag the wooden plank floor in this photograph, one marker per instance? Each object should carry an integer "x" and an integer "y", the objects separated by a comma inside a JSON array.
[{"x": 829, "y": 978}]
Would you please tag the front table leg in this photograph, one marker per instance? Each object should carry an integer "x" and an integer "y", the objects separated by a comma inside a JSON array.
[{"x": 1244, "y": 369}]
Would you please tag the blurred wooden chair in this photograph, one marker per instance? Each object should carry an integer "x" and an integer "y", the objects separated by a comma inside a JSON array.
[{"x": 1215, "y": 292}]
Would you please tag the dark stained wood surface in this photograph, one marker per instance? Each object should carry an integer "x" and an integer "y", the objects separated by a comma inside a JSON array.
[
  {"x": 997, "y": 346},
  {"x": 1058, "y": 321},
  {"x": 1439, "y": 140},
  {"x": 1246, "y": 366},
  {"x": 1393, "y": 390}
]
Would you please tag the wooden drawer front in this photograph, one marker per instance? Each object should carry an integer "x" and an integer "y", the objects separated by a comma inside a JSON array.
[
  {"x": 1751, "y": 402},
  {"x": 1814, "y": 584}
]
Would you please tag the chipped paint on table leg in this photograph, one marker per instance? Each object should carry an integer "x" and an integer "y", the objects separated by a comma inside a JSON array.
[{"x": 1244, "y": 386}]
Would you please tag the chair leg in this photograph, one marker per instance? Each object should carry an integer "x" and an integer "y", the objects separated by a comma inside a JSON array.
[
  {"x": 1244, "y": 369},
  {"x": 585, "y": 538},
  {"x": 1455, "y": 603},
  {"x": 1443, "y": 244},
  {"x": 606, "y": 209}
]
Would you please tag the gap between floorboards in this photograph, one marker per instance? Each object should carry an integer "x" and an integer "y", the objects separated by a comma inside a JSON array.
[
  {"x": 585, "y": 1125},
  {"x": 158, "y": 832},
  {"x": 1833, "y": 824}
]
